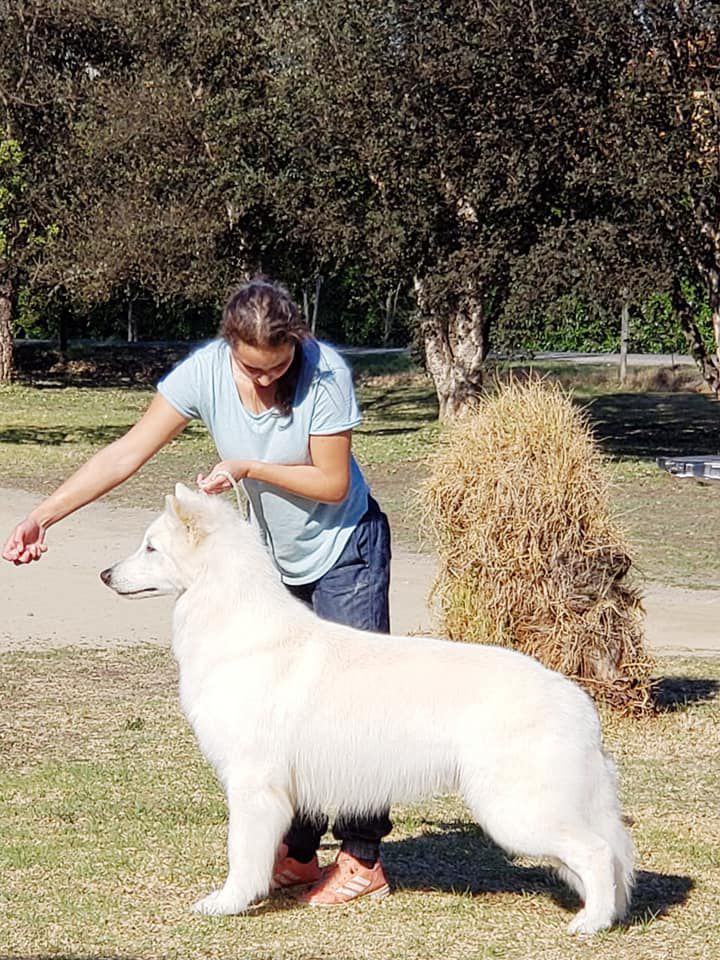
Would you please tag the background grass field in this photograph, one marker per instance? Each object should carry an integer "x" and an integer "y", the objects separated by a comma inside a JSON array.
[{"x": 111, "y": 824}]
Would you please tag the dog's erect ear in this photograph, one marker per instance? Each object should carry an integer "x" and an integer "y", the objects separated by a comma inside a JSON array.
[
  {"x": 184, "y": 493},
  {"x": 172, "y": 506},
  {"x": 183, "y": 507}
]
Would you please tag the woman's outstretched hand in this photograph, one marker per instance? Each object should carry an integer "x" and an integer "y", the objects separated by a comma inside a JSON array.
[
  {"x": 26, "y": 543},
  {"x": 216, "y": 482}
]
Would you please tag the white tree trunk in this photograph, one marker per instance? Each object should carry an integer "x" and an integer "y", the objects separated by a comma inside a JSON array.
[
  {"x": 6, "y": 329},
  {"x": 132, "y": 332},
  {"x": 455, "y": 350}
]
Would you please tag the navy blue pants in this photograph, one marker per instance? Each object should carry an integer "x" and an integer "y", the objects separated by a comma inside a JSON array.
[{"x": 354, "y": 592}]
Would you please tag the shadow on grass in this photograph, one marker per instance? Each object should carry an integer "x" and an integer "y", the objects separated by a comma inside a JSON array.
[
  {"x": 676, "y": 693},
  {"x": 371, "y": 431},
  {"x": 405, "y": 403},
  {"x": 463, "y": 859},
  {"x": 649, "y": 425},
  {"x": 58, "y": 435}
]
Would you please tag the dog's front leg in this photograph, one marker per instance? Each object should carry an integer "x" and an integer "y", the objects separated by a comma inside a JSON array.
[{"x": 258, "y": 818}]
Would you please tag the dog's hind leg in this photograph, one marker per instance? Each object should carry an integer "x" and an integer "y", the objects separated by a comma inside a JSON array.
[
  {"x": 569, "y": 877},
  {"x": 259, "y": 815},
  {"x": 587, "y": 858},
  {"x": 590, "y": 858}
]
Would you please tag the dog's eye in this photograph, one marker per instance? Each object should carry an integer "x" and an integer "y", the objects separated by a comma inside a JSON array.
[{"x": 149, "y": 548}]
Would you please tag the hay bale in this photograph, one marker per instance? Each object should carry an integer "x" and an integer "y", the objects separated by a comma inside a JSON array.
[{"x": 530, "y": 555}]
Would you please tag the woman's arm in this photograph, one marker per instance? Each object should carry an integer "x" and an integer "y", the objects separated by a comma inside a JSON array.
[
  {"x": 105, "y": 470},
  {"x": 326, "y": 479}
]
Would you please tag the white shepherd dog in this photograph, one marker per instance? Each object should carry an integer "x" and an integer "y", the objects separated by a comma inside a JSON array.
[{"x": 295, "y": 712}]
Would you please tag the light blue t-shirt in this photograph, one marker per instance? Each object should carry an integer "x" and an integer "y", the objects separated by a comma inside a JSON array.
[{"x": 305, "y": 537}]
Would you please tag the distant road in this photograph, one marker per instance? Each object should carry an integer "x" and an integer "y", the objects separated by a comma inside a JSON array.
[
  {"x": 559, "y": 356},
  {"x": 633, "y": 359}
]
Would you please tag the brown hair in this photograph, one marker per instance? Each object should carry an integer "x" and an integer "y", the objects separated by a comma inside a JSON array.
[{"x": 262, "y": 314}]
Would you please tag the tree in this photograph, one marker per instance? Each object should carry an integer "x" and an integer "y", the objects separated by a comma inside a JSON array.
[
  {"x": 667, "y": 155},
  {"x": 138, "y": 125},
  {"x": 10, "y": 228},
  {"x": 641, "y": 212},
  {"x": 437, "y": 144},
  {"x": 47, "y": 50},
  {"x": 155, "y": 206},
  {"x": 23, "y": 228}
]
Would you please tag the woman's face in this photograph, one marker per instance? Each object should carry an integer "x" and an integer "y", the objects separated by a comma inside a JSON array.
[{"x": 263, "y": 365}]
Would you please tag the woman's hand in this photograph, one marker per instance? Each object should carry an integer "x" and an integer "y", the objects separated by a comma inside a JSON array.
[
  {"x": 105, "y": 470},
  {"x": 215, "y": 482},
  {"x": 26, "y": 543}
]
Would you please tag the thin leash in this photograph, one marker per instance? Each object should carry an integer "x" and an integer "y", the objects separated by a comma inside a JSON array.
[{"x": 240, "y": 498}]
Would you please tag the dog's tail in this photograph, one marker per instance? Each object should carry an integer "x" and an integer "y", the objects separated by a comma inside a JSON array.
[
  {"x": 605, "y": 820},
  {"x": 611, "y": 824}
]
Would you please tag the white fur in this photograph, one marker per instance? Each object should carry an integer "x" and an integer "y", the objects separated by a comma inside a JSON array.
[{"x": 295, "y": 712}]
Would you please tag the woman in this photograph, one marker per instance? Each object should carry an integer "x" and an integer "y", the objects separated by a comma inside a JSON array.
[{"x": 281, "y": 409}]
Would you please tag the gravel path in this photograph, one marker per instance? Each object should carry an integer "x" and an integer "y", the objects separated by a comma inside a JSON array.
[{"x": 60, "y": 601}]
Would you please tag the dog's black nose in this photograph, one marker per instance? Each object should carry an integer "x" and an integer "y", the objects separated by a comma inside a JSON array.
[{"x": 105, "y": 576}]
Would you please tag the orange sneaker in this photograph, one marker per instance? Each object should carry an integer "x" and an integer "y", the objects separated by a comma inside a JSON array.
[
  {"x": 288, "y": 872},
  {"x": 345, "y": 880}
]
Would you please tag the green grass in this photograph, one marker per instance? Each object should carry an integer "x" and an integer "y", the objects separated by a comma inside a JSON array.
[
  {"x": 46, "y": 432},
  {"x": 111, "y": 825}
]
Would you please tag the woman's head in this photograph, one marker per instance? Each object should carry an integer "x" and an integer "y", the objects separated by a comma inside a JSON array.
[{"x": 263, "y": 328}]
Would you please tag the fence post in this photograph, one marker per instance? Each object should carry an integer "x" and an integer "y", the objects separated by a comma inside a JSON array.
[{"x": 624, "y": 337}]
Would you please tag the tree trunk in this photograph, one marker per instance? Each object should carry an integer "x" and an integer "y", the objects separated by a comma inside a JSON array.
[
  {"x": 709, "y": 269},
  {"x": 714, "y": 300},
  {"x": 132, "y": 333},
  {"x": 390, "y": 313},
  {"x": 316, "y": 303},
  {"x": 455, "y": 351},
  {"x": 63, "y": 326},
  {"x": 6, "y": 329},
  {"x": 624, "y": 337},
  {"x": 709, "y": 365}
]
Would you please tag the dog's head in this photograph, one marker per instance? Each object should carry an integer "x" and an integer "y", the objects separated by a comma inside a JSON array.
[{"x": 168, "y": 559}]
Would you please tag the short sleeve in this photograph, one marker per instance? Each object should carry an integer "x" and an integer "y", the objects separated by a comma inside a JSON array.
[
  {"x": 335, "y": 408},
  {"x": 181, "y": 387}
]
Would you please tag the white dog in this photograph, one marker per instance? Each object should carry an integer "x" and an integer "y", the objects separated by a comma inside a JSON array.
[{"x": 296, "y": 713}]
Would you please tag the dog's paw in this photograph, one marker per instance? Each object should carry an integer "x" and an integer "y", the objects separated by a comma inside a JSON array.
[
  {"x": 220, "y": 903},
  {"x": 584, "y": 926}
]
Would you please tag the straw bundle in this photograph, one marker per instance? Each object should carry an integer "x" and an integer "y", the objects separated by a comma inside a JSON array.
[{"x": 530, "y": 556}]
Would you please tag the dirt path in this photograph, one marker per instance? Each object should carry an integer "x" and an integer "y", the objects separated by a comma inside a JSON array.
[{"x": 60, "y": 601}]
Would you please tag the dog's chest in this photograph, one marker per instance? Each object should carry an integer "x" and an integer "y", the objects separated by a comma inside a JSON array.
[{"x": 225, "y": 706}]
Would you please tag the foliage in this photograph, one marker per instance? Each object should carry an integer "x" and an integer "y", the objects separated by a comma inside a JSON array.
[
  {"x": 640, "y": 215},
  {"x": 571, "y": 324},
  {"x": 492, "y": 165},
  {"x": 18, "y": 237},
  {"x": 11, "y": 185}
]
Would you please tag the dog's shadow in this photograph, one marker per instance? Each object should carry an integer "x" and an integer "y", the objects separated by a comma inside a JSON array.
[{"x": 462, "y": 859}]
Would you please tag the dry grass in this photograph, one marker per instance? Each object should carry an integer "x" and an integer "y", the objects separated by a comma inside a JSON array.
[
  {"x": 111, "y": 825},
  {"x": 530, "y": 555},
  {"x": 605, "y": 377}
]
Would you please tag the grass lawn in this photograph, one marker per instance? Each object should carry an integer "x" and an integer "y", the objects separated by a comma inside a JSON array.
[
  {"x": 111, "y": 825},
  {"x": 45, "y": 432}
]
